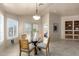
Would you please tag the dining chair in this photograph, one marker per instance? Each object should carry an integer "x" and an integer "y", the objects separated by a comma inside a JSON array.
[
  {"x": 24, "y": 36},
  {"x": 44, "y": 46},
  {"x": 25, "y": 46}
]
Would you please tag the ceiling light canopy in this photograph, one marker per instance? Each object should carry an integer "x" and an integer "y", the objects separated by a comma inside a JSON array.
[{"x": 36, "y": 16}]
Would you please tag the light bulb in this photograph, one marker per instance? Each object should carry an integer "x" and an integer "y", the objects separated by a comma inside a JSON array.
[{"x": 36, "y": 17}]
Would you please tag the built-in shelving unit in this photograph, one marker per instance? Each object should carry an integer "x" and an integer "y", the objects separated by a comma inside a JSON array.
[
  {"x": 76, "y": 29},
  {"x": 69, "y": 29},
  {"x": 72, "y": 30}
]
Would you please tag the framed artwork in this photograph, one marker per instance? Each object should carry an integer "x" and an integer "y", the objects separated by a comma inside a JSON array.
[{"x": 55, "y": 27}]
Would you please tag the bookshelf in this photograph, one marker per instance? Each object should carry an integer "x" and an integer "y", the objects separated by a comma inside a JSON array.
[
  {"x": 72, "y": 30},
  {"x": 69, "y": 29},
  {"x": 76, "y": 30}
]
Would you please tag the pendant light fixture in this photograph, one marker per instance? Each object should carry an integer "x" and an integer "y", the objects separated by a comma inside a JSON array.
[{"x": 36, "y": 16}]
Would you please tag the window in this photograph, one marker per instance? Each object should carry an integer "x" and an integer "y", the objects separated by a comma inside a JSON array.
[
  {"x": 28, "y": 30},
  {"x": 12, "y": 28},
  {"x": 1, "y": 28},
  {"x": 35, "y": 27}
]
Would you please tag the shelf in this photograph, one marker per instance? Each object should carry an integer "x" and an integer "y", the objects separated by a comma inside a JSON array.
[
  {"x": 76, "y": 32},
  {"x": 68, "y": 36},
  {"x": 68, "y": 32},
  {"x": 76, "y": 37},
  {"x": 68, "y": 25},
  {"x": 72, "y": 30},
  {"x": 76, "y": 25}
]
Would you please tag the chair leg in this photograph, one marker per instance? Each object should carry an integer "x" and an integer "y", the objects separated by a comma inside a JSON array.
[
  {"x": 46, "y": 52},
  {"x": 28, "y": 53},
  {"x": 48, "y": 49},
  {"x": 20, "y": 53}
]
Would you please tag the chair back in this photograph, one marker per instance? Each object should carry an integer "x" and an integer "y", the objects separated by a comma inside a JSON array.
[
  {"x": 48, "y": 42},
  {"x": 24, "y": 36},
  {"x": 35, "y": 37},
  {"x": 24, "y": 44}
]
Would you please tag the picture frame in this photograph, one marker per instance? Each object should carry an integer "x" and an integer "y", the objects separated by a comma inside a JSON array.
[{"x": 55, "y": 27}]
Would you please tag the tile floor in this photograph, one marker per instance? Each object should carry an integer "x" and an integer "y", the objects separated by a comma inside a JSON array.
[{"x": 57, "y": 48}]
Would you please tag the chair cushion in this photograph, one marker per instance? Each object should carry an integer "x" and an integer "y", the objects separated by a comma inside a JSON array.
[
  {"x": 31, "y": 46},
  {"x": 45, "y": 40},
  {"x": 24, "y": 50},
  {"x": 41, "y": 45},
  {"x": 40, "y": 40}
]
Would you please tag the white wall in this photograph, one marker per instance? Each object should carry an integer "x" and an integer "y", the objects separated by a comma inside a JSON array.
[
  {"x": 55, "y": 19},
  {"x": 49, "y": 19},
  {"x": 45, "y": 19},
  {"x": 45, "y": 22}
]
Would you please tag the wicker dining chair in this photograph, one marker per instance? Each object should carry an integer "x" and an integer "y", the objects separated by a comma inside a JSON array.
[
  {"x": 44, "y": 46},
  {"x": 25, "y": 47}
]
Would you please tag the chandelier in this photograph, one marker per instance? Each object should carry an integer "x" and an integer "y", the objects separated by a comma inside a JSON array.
[{"x": 36, "y": 16}]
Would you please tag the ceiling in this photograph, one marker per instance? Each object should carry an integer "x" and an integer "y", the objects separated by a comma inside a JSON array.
[
  {"x": 29, "y": 8},
  {"x": 65, "y": 8}
]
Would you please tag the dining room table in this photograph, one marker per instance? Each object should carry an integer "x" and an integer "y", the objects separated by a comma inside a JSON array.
[{"x": 35, "y": 44}]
